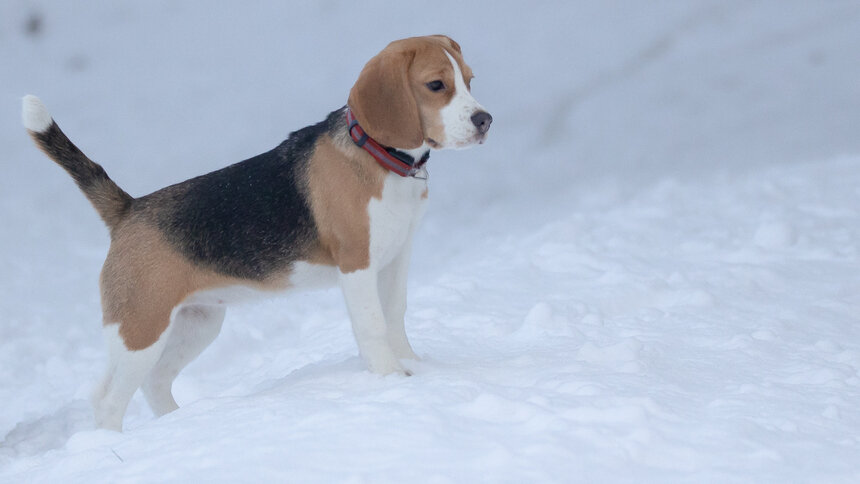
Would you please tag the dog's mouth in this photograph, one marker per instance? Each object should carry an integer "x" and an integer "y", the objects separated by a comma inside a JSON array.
[{"x": 476, "y": 139}]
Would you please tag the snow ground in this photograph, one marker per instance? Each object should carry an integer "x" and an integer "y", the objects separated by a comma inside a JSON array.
[{"x": 649, "y": 274}]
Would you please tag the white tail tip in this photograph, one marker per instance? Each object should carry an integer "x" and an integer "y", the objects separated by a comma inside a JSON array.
[{"x": 35, "y": 114}]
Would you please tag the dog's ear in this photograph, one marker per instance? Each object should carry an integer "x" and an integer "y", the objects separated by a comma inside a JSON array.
[
  {"x": 454, "y": 44},
  {"x": 449, "y": 41},
  {"x": 383, "y": 103}
]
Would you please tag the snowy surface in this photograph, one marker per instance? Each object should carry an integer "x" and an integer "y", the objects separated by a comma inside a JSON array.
[{"x": 650, "y": 273}]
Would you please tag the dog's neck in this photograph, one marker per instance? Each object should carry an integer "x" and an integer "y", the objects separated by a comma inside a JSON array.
[{"x": 402, "y": 162}]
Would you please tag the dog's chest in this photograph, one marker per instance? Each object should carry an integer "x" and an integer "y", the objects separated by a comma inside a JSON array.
[{"x": 394, "y": 216}]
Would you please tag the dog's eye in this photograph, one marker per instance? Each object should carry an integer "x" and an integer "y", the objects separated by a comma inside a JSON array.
[{"x": 436, "y": 86}]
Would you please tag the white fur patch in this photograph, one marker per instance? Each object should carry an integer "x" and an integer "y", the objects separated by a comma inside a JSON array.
[
  {"x": 35, "y": 115},
  {"x": 312, "y": 276},
  {"x": 460, "y": 132},
  {"x": 394, "y": 217},
  {"x": 226, "y": 295}
]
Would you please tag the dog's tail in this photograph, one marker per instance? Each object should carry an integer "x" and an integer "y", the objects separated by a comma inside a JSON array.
[{"x": 111, "y": 201}]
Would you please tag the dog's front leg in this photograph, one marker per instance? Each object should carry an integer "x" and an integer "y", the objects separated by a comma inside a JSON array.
[
  {"x": 392, "y": 284},
  {"x": 361, "y": 291}
]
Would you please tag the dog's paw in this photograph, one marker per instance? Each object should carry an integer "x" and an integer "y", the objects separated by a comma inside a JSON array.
[
  {"x": 389, "y": 369},
  {"x": 385, "y": 363}
]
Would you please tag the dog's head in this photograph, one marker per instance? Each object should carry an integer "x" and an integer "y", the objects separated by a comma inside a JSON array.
[{"x": 417, "y": 90}]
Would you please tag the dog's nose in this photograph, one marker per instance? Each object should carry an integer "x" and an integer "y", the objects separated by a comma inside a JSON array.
[{"x": 482, "y": 121}]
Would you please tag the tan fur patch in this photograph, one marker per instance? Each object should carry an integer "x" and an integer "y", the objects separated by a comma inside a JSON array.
[
  {"x": 143, "y": 279},
  {"x": 342, "y": 179}
]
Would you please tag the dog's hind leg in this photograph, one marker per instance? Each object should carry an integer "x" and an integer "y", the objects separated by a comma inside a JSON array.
[
  {"x": 193, "y": 328},
  {"x": 125, "y": 373}
]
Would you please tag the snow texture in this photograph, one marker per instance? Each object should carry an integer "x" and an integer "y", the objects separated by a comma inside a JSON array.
[{"x": 649, "y": 273}]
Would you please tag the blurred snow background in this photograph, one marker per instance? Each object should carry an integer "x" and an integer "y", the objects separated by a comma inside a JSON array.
[{"x": 649, "y": 273}]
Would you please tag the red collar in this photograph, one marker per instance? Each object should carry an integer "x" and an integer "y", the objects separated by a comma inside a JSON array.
[{"x": 397, "y": 161}]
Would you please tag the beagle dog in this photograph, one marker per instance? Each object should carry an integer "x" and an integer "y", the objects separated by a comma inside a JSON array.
[{"x": 337, "y": 202}]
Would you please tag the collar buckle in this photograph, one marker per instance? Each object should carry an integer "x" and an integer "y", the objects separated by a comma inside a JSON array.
[{"x": 362, "y": 137}]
